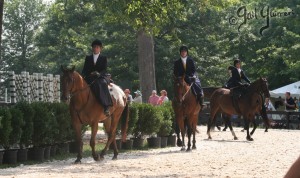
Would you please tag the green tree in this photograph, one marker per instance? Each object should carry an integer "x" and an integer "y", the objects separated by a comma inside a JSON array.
[{"x": 22, "y": 20}]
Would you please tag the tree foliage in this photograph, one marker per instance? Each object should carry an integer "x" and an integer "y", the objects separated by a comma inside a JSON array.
[{"x": 204, "y": 26}]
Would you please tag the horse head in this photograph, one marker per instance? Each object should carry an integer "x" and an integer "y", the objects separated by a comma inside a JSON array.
[
  {"x": 67, "y": 82},
  {"x": 180, "y": 88},
  {"x": 264, "y": 87}
]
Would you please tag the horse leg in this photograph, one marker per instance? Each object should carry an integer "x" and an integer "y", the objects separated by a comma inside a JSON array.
[
  {"x": 189, "y": 134},
  {"x": 177, "y": 131},
  {"x": 111, "y": 135},
  {"x": 194, "y": 133},
  {"x": 210, "y": 122},
  {"x": 254, "y": 127},
  {"x": 228, "y": 122},
  {"x": 94, "y": 127},
  {"x": 247, "y": 129},
  {"x": 77, "y": 128}
]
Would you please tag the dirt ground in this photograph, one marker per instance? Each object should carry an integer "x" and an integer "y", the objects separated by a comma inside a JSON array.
[{"x": 269, "y": 155}]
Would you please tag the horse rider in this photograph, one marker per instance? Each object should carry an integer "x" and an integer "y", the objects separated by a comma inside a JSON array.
[
  {"x": 237, "y": 75},
  {"x": 185, "y": 67},
  {"x": 94, "y": 72}
]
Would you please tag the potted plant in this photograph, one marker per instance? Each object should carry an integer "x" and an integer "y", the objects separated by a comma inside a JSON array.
[
  {"x": 41, "y": 130},
  {"x": 10, "y": 155},
  {"x": 149, "y": 122},
  {"x": 138, "y": 140},
  {"x": 65, "y": 133},
  {"x": 6, "y": 129},
  {"x": 166, "y": 125},
  {"x": 27, "y": 129}
]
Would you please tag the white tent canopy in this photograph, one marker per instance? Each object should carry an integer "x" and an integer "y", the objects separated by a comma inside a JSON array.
[{"x": 293, "y": 88}]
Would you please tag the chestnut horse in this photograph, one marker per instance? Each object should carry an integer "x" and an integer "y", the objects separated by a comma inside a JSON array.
[
  {"x": 85, "y": 109},
  {"x": 186, "y": 108},
  {"x": 249, "y": 104}
]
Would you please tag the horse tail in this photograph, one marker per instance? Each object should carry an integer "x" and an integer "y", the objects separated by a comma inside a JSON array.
[
  {"x": 124, "y": 122},
  {"x": 263, "y": 113}
]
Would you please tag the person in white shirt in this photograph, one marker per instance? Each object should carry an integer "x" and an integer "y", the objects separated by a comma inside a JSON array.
[{"x": 138, "y": 97}]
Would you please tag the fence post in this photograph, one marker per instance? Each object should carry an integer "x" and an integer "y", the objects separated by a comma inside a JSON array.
[
  {"x": 40, "y": 87},
  {"x": 24, "y": 86},
  {"x": 50, "y": 90},
  {"x": 12, "y": 85},
  {"x": 57, "y": 87}
]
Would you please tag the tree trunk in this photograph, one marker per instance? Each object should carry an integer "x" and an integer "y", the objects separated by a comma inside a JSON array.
[
  {"x": 146, "y": 63},
  {"x": 1, "y": 22}
]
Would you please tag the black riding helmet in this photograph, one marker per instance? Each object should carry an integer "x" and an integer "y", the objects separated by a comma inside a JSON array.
[
  {"x": 236, "y": 61},
  {"x": 183, "y": 48},
  {"x": 97, "y": 42}
]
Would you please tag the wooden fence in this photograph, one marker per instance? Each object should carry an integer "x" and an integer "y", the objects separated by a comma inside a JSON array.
[
  {"x": 35, "y": 87},
  {"x": 287, "y": 119}
]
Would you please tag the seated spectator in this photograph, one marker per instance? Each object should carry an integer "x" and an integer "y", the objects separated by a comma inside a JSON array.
[
  {"x": 128, "y": 96},
  {"x": 138, "y": 97},
  {"x": 163, "y": 97},
  {"x": 153, "y": 99}
]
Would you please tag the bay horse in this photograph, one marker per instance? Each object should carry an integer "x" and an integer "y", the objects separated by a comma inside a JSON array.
[
  {"x": 186, "y": 109},
  {"x": 208, "y": 91},
  {"x": 85, "y": 109},
  {"x": 249, "y": 104}
]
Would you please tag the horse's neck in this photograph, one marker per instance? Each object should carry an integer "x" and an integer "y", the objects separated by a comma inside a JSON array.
[
  {"x": 253, "y": 88},
  {"x": 81, "y": 89}
]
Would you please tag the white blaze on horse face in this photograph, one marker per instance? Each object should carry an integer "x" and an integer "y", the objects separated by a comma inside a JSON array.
[{"x": 116, "y": 92}]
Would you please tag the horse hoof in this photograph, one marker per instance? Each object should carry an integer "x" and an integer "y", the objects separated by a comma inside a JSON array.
[
  {"x": 183, "y": 149},
  {"x": 249, "y": 139},
  {"x": 179, "y": 143},
  {"x": 209, "y": 138},
  {"x": 235, "y": 138},
  {"x": 96, "y": 158},
  {"x": 194, "y": 147},
  {"x": 266, "y": 131},
  {"x": 114, "y": 158},
  {"x": 77, "y": 161},
  {"x": 188, "y": 150},
  {"x": 242, "y": 130},
  {"x": 224, "y": 130}
]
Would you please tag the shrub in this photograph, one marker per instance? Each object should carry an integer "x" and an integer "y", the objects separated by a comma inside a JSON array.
[
  {"x": 41, "y": 124},
  {"x": 17, "y": 123},
  {"x": 6, "y": 128},
  {"x": 133, "y": 118},
  {"x": 63, "y": 129},
  {"x": 27, "y": 128},
  {"x": 149, "y": 120},
  {"x": 166, "y": 123}
]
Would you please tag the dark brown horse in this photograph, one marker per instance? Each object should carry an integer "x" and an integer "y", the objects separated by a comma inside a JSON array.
[
  {"x": 249, "y": 104},
  {"x": 186, "y": 108},
  {"x": 208, "y": 91},
  {"x": 85, "y": 109}
]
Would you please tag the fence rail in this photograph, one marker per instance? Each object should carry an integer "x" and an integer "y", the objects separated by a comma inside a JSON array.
[
  {"x": 287, "y": 119},
  {"x": 35, "y": 87}
]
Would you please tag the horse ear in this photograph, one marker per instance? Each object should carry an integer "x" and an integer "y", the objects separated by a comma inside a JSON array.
[
  {"x": 73, "y": 68},
  {"x": 62, "y": 68}
]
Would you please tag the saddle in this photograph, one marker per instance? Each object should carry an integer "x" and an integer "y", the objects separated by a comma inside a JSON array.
[{"x": 236, "y": 93}]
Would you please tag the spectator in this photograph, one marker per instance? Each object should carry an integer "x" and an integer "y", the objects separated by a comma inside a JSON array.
[
  {"x": 268, "y": 106},
  {"x": 298, "y": 104},
  {"x": 153, "y": 99},
  {"x": 163, "y": 97},
  {"x": 128, "y": 96},
  {"x": 289, "y": 102},
  {"x": 138, "y": 97}
]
